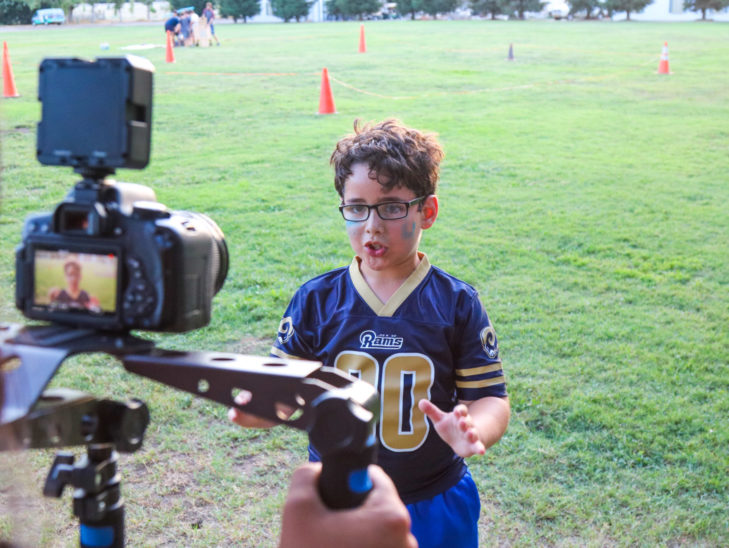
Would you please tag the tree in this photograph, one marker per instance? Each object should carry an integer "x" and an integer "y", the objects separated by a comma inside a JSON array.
[
  {"x": 198, "y": 5},
  {"x": 333, "y": 10},
  {"x": 239, "y": 9},
  {"x": 522, "y": 6},
  {"x": 434, "y": 7},
  {"x": 488, "y": 7},
  {"x": 628, "y": 6},
  {"x": 291, "y": 9},
  {"x": 704, "y": 5},
  {"x": 356, "y": 8},
  {"x": 15, "y": 12},
  {"x": 411, "y": 7},
  {"x": 588, "y": 6}
]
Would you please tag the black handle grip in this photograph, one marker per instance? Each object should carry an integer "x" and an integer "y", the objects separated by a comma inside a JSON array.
[{"x": 344, "y": 481}]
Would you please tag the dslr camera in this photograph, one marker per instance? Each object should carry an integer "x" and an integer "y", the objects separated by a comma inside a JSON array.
[{"x": 109, "y": 256}]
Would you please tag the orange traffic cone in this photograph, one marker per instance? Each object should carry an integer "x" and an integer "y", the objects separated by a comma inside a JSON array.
[
  {"x": 663, "y": 63},
  {"x": 511, "y": 52},
  {"x": 362, "y": 45},
  {"x": 9, "y": 89},
  {"x": 170, "y": 56},
  {"x": 326, "y": 101}
]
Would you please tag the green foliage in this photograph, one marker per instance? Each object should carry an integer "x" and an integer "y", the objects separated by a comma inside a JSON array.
[
  {"x": 490, "y": 8},
  {"x": 627, "y": 6},
  {"x": 239, "y": 9},
  {"x": 408, "y": 7},
  {"x": 434, "y": 7},
  {"x": 15, "y": 12},
  {"x": 582, "y": 194},
  {"x": 353, "y": 8},
  {"x": 705, "y": 5},
  {"x": 588, "y": 7},
  {"x": 291, "y": 9},
  {"x": 519, "y": 7},
  {"x": 198, "y": 5}
]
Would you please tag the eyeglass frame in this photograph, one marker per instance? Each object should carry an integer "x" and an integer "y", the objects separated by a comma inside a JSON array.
[{"x": 377, "y": 206}]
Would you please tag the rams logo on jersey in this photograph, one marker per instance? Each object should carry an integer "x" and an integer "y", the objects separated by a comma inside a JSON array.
[
  {"x": 285, "y": 330},
  {"x": 489, "y": 343},
  {"x": 370, "y": 339}
]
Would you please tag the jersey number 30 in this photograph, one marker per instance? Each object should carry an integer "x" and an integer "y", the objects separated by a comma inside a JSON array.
[{"x": 406, "y": 379}]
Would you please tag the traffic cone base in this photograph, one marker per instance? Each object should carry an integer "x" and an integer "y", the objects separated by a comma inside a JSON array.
[
  {"x": 362, "y": 45},
  {"x": 170, "y": 54},
  {"x": 326, "y": 100},
  {"x": 663, "y": 63},
  {"x": 9, "y": 89}
]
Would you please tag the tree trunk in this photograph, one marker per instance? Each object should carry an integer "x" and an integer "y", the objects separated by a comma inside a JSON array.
[{"x": 628, "y": 15}]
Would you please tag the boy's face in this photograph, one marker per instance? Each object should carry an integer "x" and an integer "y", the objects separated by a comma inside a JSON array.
[{"x": 386, "y": 246}]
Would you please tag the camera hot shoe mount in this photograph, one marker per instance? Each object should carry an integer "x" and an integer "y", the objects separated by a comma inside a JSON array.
[{"x": 338, "y": 411}]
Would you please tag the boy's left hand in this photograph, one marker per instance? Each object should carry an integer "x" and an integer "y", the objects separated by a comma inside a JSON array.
[{"x": 455, "y": 428}]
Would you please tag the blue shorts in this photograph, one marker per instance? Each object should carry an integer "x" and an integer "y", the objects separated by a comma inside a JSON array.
[{"x": 448, "y": 520}]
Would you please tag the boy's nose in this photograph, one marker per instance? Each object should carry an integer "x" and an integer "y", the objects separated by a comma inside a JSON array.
[{"x": 373, "y": 223}]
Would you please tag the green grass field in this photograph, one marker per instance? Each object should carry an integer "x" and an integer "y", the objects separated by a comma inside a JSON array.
[{"x": 584, "y": 195}]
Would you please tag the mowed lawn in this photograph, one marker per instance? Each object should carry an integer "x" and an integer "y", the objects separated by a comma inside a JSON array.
[{"x": 584, "y": 195}]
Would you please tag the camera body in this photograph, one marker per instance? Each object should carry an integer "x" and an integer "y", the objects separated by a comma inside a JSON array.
[{"x": 110, "y": 257}]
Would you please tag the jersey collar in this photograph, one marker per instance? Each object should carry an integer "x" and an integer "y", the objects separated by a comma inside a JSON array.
[{"x": 373, "y": 301}]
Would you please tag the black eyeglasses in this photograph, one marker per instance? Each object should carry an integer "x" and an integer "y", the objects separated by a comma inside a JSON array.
[{"x": 388, "y": 211}]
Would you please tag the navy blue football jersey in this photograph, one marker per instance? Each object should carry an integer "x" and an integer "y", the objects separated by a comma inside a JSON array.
[{"x": 432, "y": 339}]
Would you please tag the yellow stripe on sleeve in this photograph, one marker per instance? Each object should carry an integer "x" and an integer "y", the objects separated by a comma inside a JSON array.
[
  {"x": 480, "y": 384},
  {"x": 479, "y": 370}
]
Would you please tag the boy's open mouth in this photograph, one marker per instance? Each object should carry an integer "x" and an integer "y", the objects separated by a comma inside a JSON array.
[{"x": 375, "y": 249}]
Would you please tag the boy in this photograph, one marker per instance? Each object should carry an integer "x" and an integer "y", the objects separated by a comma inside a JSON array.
[
  {"x": 416, "y": 333},
  {"x": 209, "y": 15}
]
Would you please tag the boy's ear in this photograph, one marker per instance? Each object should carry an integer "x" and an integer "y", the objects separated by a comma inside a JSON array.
[{"x": 430, "y": 211}]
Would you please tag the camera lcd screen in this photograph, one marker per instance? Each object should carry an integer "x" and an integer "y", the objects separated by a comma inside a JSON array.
[{"x": 68, "y": 281}]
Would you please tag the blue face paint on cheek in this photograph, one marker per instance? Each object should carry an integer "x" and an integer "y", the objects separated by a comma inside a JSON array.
[
  {"x": 351, "y": 225},
  {"x": 408, "y": 234}
]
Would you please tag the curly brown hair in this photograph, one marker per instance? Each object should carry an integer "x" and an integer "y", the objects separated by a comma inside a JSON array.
[{"x": 397, "y": 156}]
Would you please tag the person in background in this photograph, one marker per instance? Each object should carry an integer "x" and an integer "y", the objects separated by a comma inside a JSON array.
[
  {"x": 185, "y": 30},
  {"x": 195, "y": 27},
  {"x": 209, "y": 15},
  {"x": 173, "y": 25}
]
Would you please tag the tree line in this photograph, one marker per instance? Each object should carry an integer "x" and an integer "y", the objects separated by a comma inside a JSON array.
[{"x": 20, "y": 11}]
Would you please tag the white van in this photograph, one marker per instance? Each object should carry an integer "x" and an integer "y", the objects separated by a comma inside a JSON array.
[{"x": 49, "y": 16}]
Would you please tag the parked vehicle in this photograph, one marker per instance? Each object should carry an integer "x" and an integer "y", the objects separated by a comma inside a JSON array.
[
  {"x": 557, "y": 9},
  {"x": 49, "y": 16}
]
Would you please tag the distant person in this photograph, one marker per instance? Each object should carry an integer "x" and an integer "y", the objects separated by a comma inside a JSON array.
[
  {"x": 73, "y": 297},
  {"x": 173, "y": 25},
  {"x": 209, "y": 15},
  {"x": 194, "y": 27},
  {"x": 203, "y": 38},
  {"x": 418, "y": 334},
  {"x": 185, "y": 28}
]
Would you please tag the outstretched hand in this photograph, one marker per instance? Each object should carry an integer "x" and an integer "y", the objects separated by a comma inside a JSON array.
[{"x": 455, "y": 428}]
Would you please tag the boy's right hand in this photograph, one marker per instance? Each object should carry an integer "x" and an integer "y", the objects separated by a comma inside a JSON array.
[{"x": 246, "y": 420}]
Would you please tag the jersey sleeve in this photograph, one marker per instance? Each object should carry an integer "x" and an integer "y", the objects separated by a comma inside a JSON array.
[
  {"x": 295, "y": 337},
  {"x": 478, "y": 370}
]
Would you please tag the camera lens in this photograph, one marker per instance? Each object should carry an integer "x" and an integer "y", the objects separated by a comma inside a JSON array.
[{"x": 219, "y": 252}]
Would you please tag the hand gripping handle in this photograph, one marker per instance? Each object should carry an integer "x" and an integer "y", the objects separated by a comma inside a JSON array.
[
  {"x": 344, "y": 481},
  {"x": 343, "y": 434}
]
